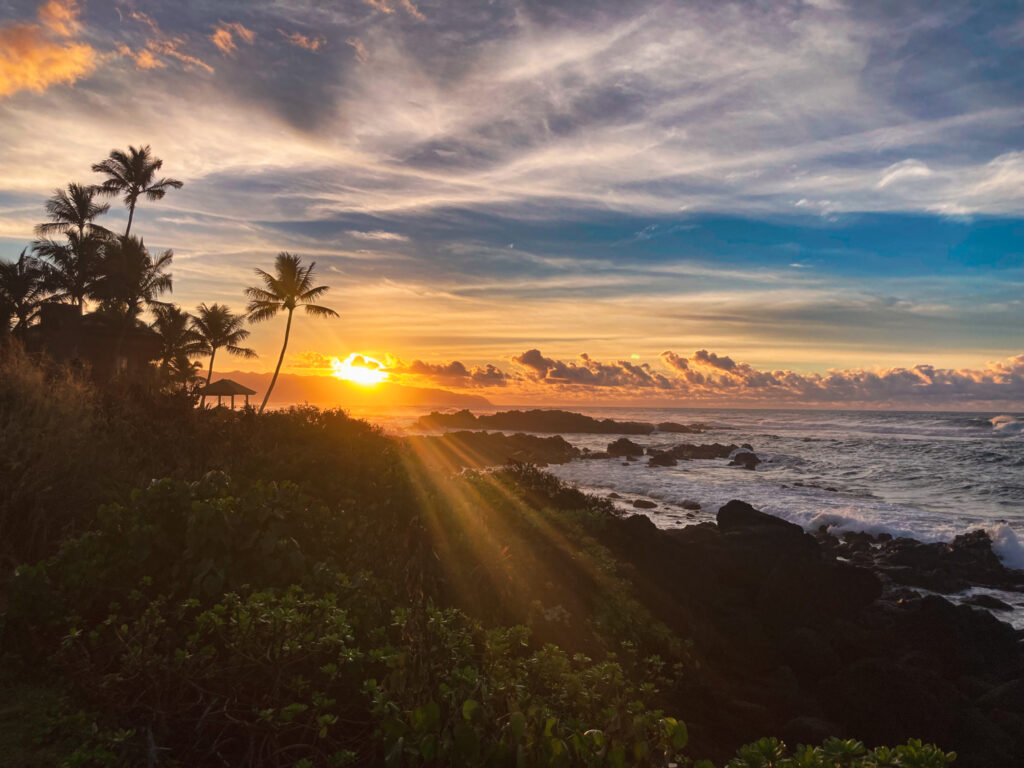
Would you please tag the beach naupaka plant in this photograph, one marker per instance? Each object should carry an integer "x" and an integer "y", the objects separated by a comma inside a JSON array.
[{"x": 291, "y": 286}]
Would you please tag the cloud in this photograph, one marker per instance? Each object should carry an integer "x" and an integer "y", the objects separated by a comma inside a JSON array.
[
  {"x": 388, "y": 6},
  {"x": 704, "y": 376},
  {"x": 223, "y": 36},
  {"x": 37, "y": 56},
  {"x": 159, "y": 45},
  {"x": 590, "y": 373},
  {"x": 905, "y": 169},
  {"x": 300, "y": 40},
  {"x": 452, "y": 374},
  {"x": 378, "y": 235},
  {"x": 362, "y": 55}
]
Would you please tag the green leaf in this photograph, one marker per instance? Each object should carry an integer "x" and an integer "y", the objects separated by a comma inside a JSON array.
[
  {"x": 469, "y": 707},
  {"x": 680, "y": 736}
]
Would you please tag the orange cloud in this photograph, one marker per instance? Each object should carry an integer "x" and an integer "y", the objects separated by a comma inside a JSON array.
[
  {"x": 362, "y": 55},
  {"x": 160, "y": 46},
  {"x": 225, "y": 33},
  {"x": 61, "y": 17},
  {"x": 300, "y": 40},
  {"x": 30, "y": 58},
  {"x": 388, "y": 6}
]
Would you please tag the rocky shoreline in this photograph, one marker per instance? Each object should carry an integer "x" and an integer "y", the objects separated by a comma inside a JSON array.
[{"x": 810, "y": 636}]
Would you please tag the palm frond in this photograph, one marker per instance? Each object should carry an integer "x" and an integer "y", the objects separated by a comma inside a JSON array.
[{"x": 318, "y": 311}]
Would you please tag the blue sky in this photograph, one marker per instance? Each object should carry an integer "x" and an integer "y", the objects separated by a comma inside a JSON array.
[{"x": 799, "y": 185}]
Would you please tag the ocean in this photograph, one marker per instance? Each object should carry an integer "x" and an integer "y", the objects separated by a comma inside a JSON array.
[{"x": 926, "y": 475}]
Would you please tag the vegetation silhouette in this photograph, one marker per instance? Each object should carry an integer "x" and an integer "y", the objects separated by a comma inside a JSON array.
[
  {"x": 217, "y": 326},
  {"x": 290, "y": 286},
  {"x": 73, "y": 209},
  {"x": 129, "y": 279},
  {"x": 132, "y": 174},
  {"x": 180, "y": 342},
  {"x": 22, "y": 291}
]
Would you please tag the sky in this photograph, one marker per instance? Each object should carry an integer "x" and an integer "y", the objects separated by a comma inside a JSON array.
[{"x": 815, "y": 203}]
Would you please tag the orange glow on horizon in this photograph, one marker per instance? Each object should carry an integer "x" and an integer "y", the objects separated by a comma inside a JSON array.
[{"x": 359, "y": 369}]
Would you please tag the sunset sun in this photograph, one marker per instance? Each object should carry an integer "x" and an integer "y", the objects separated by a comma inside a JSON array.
[{"x": 359, "y": 369}]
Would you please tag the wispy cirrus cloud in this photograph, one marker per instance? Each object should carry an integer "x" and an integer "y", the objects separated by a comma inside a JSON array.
[{"x": 299, "y": 40}]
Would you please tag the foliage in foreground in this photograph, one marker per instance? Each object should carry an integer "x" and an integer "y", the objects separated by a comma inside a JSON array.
[{"x": 335, "y": 603}]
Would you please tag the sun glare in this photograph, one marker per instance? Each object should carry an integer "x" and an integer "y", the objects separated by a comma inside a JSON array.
[{"x": 359, "y": 369}]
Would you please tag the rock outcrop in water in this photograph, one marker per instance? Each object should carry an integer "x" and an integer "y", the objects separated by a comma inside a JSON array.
[
  {"x": 538, "y": 420},
  {"x": 947, "y": 567},
  {"x": 457, "y": 450},
  {"x": 799, "y": 643}
]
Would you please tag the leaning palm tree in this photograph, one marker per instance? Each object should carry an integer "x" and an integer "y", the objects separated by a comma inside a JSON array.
[
  {"x": 129, "y": 279},
  {"x": 179, "y": 342},
  {"x": 22, "y": 290},
  {"x": 217, "y": 326},
  {"x": 72, "y": 210},
  {"x": 289, "y": 287},
  {"x": 132, "y": 174},
  {"x": 70, "y": 268}
]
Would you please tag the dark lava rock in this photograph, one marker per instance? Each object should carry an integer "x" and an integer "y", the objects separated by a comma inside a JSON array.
[
  {"x": 688, "y": 451},
  {"x": 738, "y": 515},
  {"x": 987, "y": 601},
  {"x": 947, "y": 567},
  {"x": 624, "y": 447},
  {"x": 745, "y": 459},
  {"x": 690, "y": 504},
  {"x": 643, "y": 504},
  {"x": 538, "y": 420},
  {"x": 662, "y": 460},
  {"x": 794, "y": 643},
  {"x": 691, "y": 429},
  {"x": 614, "y": 495},
  {"x": 484, "y": 449}
]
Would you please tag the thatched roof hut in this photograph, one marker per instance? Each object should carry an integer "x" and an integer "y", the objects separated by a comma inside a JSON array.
[{"x": 227, "y": 388}]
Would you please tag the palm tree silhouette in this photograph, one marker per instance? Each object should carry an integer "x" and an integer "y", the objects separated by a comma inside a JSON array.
[
  {"x": 289, "y": 287},
  {"x": 179, "y": 343},
  {"x": 73, "y": 209},
  {"x": 69, "y": 269},
  {"x": 132, "y": 174},
  {"x": 128, "y": 278},
  {"x": 217, "y": 326},
  {"x": 22, "y": 290}
]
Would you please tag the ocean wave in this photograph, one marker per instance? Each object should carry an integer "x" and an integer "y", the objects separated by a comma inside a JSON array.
[
  {"x": 1007, "y": 425},
  {"x": 1007, "y": 545}
]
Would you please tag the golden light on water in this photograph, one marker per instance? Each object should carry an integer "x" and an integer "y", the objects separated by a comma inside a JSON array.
[{"x": 359, "y": 369}]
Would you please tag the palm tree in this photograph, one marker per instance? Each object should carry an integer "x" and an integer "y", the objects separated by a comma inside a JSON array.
[
  {"x": 22, "y": 290},
  {"x": 69, "y": 269},
  {"x": 179, "y": 343},
  {"x": 289, "y": 287},
  {"x": 217, "y": 326},
  {"x": 132, "y": 174},
  {"x": 71, "y": 209},
  {"x": 128, "y": 278}
]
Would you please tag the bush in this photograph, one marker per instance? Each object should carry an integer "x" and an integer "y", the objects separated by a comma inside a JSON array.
[{"x": 47, "y": 453}]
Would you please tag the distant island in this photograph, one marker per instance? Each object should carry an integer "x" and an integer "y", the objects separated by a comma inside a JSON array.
[
  {"x": 330, "y": 392},
  {"x": 554, "y": 421}
]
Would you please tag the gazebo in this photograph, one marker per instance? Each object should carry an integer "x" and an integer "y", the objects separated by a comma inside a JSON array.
[{"x": 227, "y": 388}]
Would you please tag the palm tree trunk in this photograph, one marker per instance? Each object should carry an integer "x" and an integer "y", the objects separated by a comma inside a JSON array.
[
  {"x": 273, "y": 381},
  {"x": 131, "y": 215},
  {"x": 209, "y": 375}
]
